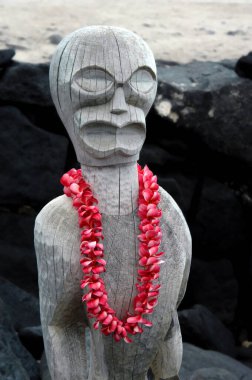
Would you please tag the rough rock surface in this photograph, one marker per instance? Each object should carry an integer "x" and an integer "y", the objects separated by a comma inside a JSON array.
[
  {"x": 23, "y": 307},
  {"x": 6, "y": 56},
  {"x": 31, "y": 337},
  {"x": 210, "y": 100},
  {"x": 26, "y": 83},
  {"x": 10, "y": 366},
  {"x": 17, "y": 256},
  {"x": 32, "y": 160},
  {"x": 195, "y": 359},
  {"x": 16, "y": 360},
  {"x": 243, "y": 66},
  {"x": 213, "y": 374},
  {"x": 220, "y": 208},
  {"x": 202, "y": 328},
  {"x": 213, "y": 285}
]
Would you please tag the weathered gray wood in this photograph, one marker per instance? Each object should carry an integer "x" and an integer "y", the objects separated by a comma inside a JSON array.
[
  {"x": 159, "y": 346},
  {"x": 116, "y": 187},
  {"x": 121, "y": 66},
  {"x": 109, "y": 165}
]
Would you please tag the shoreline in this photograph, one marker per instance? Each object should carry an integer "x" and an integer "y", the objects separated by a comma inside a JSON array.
[{"x": 175, "y": 31}]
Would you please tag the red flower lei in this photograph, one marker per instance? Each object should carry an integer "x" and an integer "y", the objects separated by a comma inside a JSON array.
[{"x": 93, "y": 264}]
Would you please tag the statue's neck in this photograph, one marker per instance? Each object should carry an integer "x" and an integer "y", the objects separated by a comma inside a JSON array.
[{"x": 115, "y": 187}]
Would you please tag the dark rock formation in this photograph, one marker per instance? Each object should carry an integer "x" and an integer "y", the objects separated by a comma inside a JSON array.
[
  {"x": 32, "y": 160},
  {"x": 10, "y": 366},
  {"x": 202, "y": 328},
  {"x": 243, "y": 66},
  {"x": 213, "y": 285},
  {"x": 23, "y": 307},
  {"x": 17, "y": 255},
  {"x": 212, "y": 102},
  {"x": 213, "y": 374},
  {"x": 16, "y": 362},
  {"x": 196, "y": 360},
  {"x": 32, "y": 339},
  {"x": 220, "y": 208},
  {"x": 6, "y": 57},
  {"x": 26, "y": 83}
]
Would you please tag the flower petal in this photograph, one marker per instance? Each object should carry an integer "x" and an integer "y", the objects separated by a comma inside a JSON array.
[
  {"x": 93, "y": 303},
  {"x": 107, "y": 320},
  {"x": 95, "y": 285},
  {"x": 102, "y": 316},
  {"x": 127, "y": 339},
  {"x": 96, "y": 325}
]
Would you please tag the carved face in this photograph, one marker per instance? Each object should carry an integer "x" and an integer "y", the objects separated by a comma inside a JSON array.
[{"x": 103, "y": 83}]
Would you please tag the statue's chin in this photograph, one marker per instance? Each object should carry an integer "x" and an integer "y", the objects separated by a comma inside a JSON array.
[{"x": 107, "y": 140}]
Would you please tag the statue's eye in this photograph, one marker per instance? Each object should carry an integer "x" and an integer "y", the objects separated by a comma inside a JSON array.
[
  {"x": 142, "y": 80},
  {"x": 93, "y": 79}
]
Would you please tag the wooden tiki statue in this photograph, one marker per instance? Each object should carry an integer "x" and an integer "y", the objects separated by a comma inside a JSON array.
[{"x": 103, "y": 83}]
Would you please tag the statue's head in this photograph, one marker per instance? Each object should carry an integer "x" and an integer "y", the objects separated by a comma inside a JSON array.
[{"x": 103, "y": 83}]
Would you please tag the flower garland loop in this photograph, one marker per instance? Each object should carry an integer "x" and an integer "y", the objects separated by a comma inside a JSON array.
[{"x": 92, "y": 253}]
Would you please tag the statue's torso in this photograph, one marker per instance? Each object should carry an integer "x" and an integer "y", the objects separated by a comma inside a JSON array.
[{"x": 58, "y": 236}]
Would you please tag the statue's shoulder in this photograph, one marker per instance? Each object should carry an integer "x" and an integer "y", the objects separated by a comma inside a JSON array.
[
  {"x": 173, "y": 218},
  {"x": 57, "y": 212}
]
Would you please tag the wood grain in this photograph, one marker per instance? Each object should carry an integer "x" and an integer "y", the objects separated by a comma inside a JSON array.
[
  {"x": 103, "y": 83},
  {"x": 118, "y": 107},
  {"x": 63, "y": 318}
]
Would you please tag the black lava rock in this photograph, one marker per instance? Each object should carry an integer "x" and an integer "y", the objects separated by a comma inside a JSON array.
[
  {"x": 155, "y": 156},
  {"x": 202, "y": 328},
  {"x": 211, "y": 102},
  {"x": 195, "y": 359},
  {"x": 26, "y": 83},
  {"x": 16, "y": 362},
  {"x": 17, "y": 255},
  {"x": 18, "y": 264},
  {"x": 10, "y": 366},
  {"x": 219, "y": 222},
  {"x": 6, "y": 56},
  {"x": 213, "y": 374},
  {"x": 181, "y": 187},
  {"x": 32, "y": 160},
  {"x": 22, "y": 306},
  {"x": 32, "y": 339},
  {"x": 213, "y": 285},
  {"x": 244, "y": 66}
]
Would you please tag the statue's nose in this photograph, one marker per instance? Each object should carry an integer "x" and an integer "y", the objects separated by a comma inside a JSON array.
[{"x": 118, "y": 104}]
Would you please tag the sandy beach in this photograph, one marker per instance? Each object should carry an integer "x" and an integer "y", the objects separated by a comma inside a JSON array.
[{"x": 178, "y": 31}]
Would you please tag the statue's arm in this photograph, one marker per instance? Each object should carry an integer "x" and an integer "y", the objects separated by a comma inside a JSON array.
[
  {"x": 171, "y": 349},
  {"x": 62, "y": 315},
  {"x": 168, "y": 361}
]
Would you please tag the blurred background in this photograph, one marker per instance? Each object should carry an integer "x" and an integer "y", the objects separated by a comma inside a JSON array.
[{"x": 199, "y": 143}]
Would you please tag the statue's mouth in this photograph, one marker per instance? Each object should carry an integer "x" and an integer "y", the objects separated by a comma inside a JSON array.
[{"x": 104, "y": 139}]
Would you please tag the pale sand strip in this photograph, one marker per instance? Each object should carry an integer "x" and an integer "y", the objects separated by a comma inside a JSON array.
[{"x": 177, "y": 31}]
